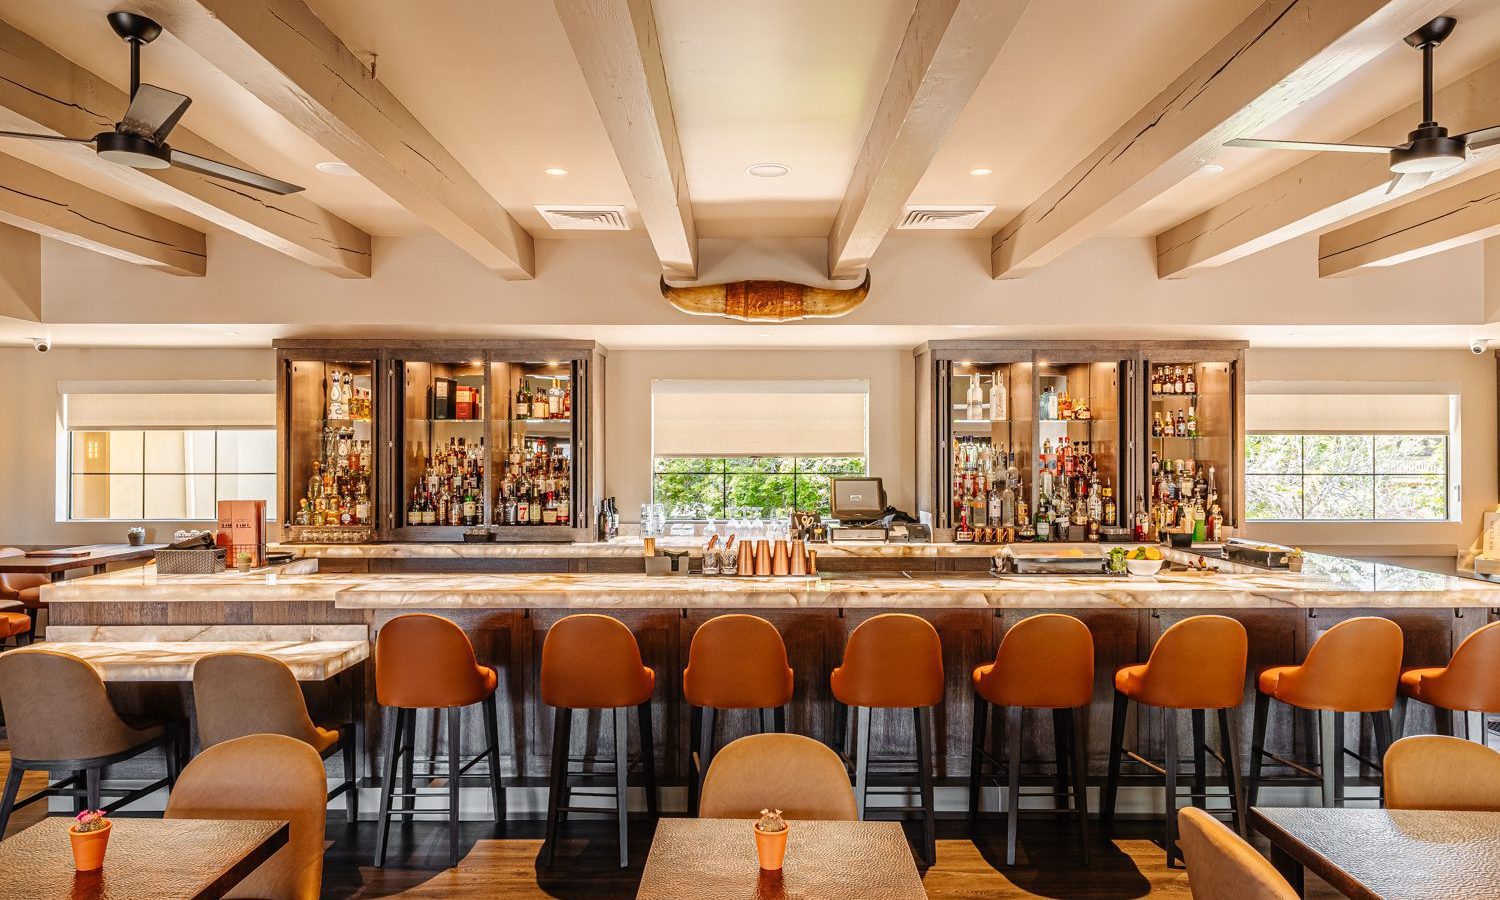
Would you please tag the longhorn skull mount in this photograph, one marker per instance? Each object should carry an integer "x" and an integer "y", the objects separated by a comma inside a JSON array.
[{"x": 766, "y": 301}]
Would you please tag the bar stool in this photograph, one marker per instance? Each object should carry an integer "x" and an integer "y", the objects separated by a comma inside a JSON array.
[
  {"x": 734, "y": 662},
  {"x": 60, "y": 719},
  {"x": 1197, "y": 665},
  {"x": 15, "y": 625},
  {"x": 1470, "y": 683},
  {"x": 240, "y": 694},
  {"x": 893, "y": 661},
  {"x": 426, "y": 662},
  {"x": 1044, "y": 662},
  {"x": 23, "y": 588},
  {"x": 1352, "y": 668},
  {"x": 593, "y": 662}
]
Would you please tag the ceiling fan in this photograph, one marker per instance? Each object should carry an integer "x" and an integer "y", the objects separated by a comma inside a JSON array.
[
  {"x": 140, "y": 139},
  {"x": 1430, "y": 149}
]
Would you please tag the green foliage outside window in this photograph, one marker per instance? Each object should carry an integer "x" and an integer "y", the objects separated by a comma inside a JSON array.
[
  {"x": 1346, "y": 477},
  {"x": 694, "y": 487}
]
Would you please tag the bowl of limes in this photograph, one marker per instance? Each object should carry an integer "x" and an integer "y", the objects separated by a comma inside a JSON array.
[{"x": 1144, "y": 562}]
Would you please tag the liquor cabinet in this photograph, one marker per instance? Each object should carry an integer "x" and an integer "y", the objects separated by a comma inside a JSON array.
[{"x": 454, "y": 437}]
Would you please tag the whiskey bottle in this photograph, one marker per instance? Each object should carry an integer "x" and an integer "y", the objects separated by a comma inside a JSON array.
[{"x": 1192, "y": 382}]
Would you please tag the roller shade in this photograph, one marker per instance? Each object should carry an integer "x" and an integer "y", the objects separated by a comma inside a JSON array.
[
  {"x": 759, "y": 418},
  {"x": 1354, "y": 413},
  {"x": 144, "y": 406}
]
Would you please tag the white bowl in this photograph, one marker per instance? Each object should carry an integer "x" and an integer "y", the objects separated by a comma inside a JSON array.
[{"x": 1145, "y": 568}]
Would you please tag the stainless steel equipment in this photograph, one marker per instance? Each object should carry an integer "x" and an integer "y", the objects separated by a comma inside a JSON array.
[{"x": 1050, "y": 559}]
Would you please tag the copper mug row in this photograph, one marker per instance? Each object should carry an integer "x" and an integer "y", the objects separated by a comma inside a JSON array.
[{"x": 776, "y": 558}]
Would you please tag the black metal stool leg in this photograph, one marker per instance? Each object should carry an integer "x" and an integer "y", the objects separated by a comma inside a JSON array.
[
  {"x": 1383, "y": 737},
  {"x": 705, "y": 744},
  {"x": 1330, "y": 745},
  {"x": 8, "y": 801},
  {"x": 351, "y": 778},
  {"x": 1338, "y": 756},
  {"x": 408, "y": 765},
  {"x": 455, "y": 763},
  {"x": 1059, "y": 761},
  {"x": 1169, "y": 742},
  {"x": 925, "y": 744},
  {"x": 976, "y": 754},
  {"x": 1077, "y": 723},
  {"x": 648, "y": 757},
  {"x": 622, "y": 782},
  {"x": 388, "y": 785},
  {"x": 1257, "y": 746},
  {"x": 497, "y": 774},
  {"x": 695, "y": 774},
  {"x": 1200, "y": 758},
  {"x": 1112, "y": 779},
  {"x": 1399, "y": 714},
  {"x": 861, "y": 758},
  {"x": 1013, "y": 781},
  {"x": 1229, "y": 746},
  {"x": 562, "y": 728},
  {"x": 778, "y": 718}
]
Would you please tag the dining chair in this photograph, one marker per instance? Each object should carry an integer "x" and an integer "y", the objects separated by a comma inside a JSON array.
[
  {"x": 1222, "y": 866},
  {"x": 797, "y": 775},
  {"x": 23, "y": 588},
  {"x": 263, "y": 776},
  {"x": 1440, "y": 772}
]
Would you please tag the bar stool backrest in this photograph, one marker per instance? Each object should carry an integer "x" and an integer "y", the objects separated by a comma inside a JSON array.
[
  {"x": 263, "y": 776},
  {"x": 1352, "y": 667},
  {"x": 56, "y": 708},
  {"x": 737, "y": 662},
  {"x": 795, "y": 774},
  {"x": 1198, "y": 663},
  {"x": 16, "y": 582},
  {"x": 1221, "y": 866},
  {"x": 893, "y": 660},
  {"x": 1044, "y": 662},
  {"x": 424, "y": 661},
  {"x": 1472, "y": 679},
  {"x": 593, "y": 662},
  {"x": 1440, "y": 772},
  {"x": 238, "y": 694}
]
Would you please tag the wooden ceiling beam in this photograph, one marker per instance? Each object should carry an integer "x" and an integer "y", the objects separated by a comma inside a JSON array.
[
  {"x": 20, "y": 274},
  {"x": 948, "y": 47},
  {"x": 36, "y": 200},
  {"x": 1323, "y": 189},
  {"x": 40, "y": 90},
  {"x": 616, "y": 45},
  {"x": 1282, "y": 54},
  {"x": 281, "y": 52},
  {"x": 1426, "y": 224}
]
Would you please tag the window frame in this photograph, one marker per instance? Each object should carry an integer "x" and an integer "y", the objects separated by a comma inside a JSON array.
[
  {"x": 1452, "y": 491},
  {"x": 68, "y": 473},
  {"x": 725, "y": 475}
]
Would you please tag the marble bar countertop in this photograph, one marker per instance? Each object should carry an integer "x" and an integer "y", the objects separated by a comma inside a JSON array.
[
  {"x": 619, "y": 548},
  {"x": 174, "y": 660}
]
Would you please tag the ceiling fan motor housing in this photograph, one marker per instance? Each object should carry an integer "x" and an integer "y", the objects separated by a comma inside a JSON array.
[
  {"x": 1430, "y": 150},
  {"x": 132, "y": 150}
]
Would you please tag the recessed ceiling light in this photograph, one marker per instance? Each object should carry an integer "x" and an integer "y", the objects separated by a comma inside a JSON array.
[
  {"x": 555, "y": 172},
  {"x": 334, "y": 167},
  {"x": 768, "y": 170},
  {"x": 981, "y": 171},
  {"x": 1208, "y": 171}
]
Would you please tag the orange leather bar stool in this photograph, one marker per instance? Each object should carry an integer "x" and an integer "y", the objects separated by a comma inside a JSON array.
[
  {"x": 593, "y": 662},
  {"x": 1469, "y": 684},
  {"x": 734, "y": 662},
  {"x": 1352, "y": 668},
  {"x": 893, "y": 661},
  {"x": 426, "y": 662},
  {"x": 23, "y": 588},
  {"x": 1197, "y": 665},
  {"x": 1044, "y": 662}
]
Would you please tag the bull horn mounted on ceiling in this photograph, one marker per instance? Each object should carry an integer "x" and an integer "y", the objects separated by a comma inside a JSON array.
[{"x": 766, "y": 301}]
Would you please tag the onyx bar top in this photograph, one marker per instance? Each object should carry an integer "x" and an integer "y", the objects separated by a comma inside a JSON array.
[
  {"x": 1325, "y": 582},
  {"x": 620, "y": 548}
]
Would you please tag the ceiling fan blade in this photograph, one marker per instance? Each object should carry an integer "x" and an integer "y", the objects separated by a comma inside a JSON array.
[
  {"x": 154, "y": 112},
  {"x": 1260, "y": 144},
  {"x": 1483, "y": 137},
  {"x": 1407, "y": 181},
  {"x": 45, "y": 137},
  {"x": 232, "y": 173}
]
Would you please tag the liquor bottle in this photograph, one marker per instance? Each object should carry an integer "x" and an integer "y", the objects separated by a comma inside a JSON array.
[
  {"x": 999, "y": 401},
  {"x": 1192, "y": 422},
  {"x": 1023, "y": 510},
  {"x": 1156, "y": 429},
  {"x": 554, "y": 401},
  {"x": 1191, "y": 381},
  {"x": 1111, "y": 509},
  {"x": 539, "y": 405},
  {"x": 1142, "y": 521},
  {"x": 549, "y": 510},
  {"x": 1181, "y": 430},
  {"x": 470, "y": 509},
  {"x": 974, "y": 399}
]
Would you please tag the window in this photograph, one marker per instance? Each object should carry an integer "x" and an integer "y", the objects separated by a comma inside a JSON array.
[
  {"x": 169, "y": 473},
  {"x": 696, "y": 488},
  {"x": 1346, "y": 477}
]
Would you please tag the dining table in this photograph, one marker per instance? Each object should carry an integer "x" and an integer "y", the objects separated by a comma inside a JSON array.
[
  {"x": 708, "y": 859},
  {"x": 56, "y": 564},
  {"x": 163, "y": 859},
  {"x": 1384, "y": 854}
]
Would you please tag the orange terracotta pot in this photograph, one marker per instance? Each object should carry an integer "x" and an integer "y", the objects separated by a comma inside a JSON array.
[
  {"x": 88, "y": 847},
  {"x": 770, "y": 846}
]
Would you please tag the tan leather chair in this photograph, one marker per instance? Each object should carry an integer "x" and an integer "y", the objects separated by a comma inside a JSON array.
[
  {"x": 257, "y": 777},
  {"x": 1470, "y": 683},
  {"x": 593, "y": 662},
  {"x": 1439, "y": 772},
  {"x": 424, "y": 661},
  {"x": 893, "y": 661},
  {"x": 23, "y": 588},
  {"x": 1198, "y": 665},
  {"x": 1044, "y": 662},
  {"x": 1222, "y": 866},
  {"x": 797, "y": 775},
  {"x": 734, "y": 662},
  {"x": 59, "y": 718},
  {"x": 1352, "y": 668},
  {"x": 240, "y": 694},
  {"x": 15, "y": 625}
]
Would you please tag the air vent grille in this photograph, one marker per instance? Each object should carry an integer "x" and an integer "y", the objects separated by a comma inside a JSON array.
[
  {"x": 950, "y": 218},
  {"x": 585, "y": 218}
]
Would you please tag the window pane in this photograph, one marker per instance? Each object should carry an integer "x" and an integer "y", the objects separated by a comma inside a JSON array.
[
  {"x": 175, "y": 452},
  {"x": 762, "y": 492},
  {"x": 247, "y": 487},
  {"x": 251, "y": 450},
  {"x": 1411, "y": 497},
  {"x": 90, "y": 451},
  {"x": 1411, "y": 454},
  {"x": 180, "y": 497},
  {"x": 1273, "y": 496},
  {"x": 1339, "y": 496},
  {"x": 106, "y": 496},
  {"x": 1337, "y": 454},
  {"x": 1273, "y": 454},
  {"x": 677, "y": 490},
  {"x": 767, "y": 464},
  {"x": 833, "y": 465},
  {"x": 665, "y": 464},
  {"x": 813, "y": 493}
]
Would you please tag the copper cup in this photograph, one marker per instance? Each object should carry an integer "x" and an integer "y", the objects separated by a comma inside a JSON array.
[
  {"x": 780, "y": 564},
  {"x": 812, "y": 562},
  {"x": 799, "y": 558},
  {"x": 762, "y": 557},
  {"x": 747, "y": 559}
]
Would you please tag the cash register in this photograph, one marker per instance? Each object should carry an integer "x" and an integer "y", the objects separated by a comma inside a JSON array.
[{"x": 858, "y": 505}]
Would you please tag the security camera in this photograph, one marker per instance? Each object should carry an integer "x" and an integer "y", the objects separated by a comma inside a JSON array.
[
  {"x": 42, "y": 344},
  {"x": 1478, "y": 346}
]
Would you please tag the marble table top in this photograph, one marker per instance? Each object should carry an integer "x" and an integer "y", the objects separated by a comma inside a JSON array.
[{"x": 174, "y": 660}]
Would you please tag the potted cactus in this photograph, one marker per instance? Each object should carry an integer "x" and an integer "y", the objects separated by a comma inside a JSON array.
[
  {"x": 135, "y": 537},
  {"x": 89, "y": 834},
  {"x": 770, "y": 839},
  {"x": 1294, "y": 559},
  {"x": 243, "y": 562}
]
